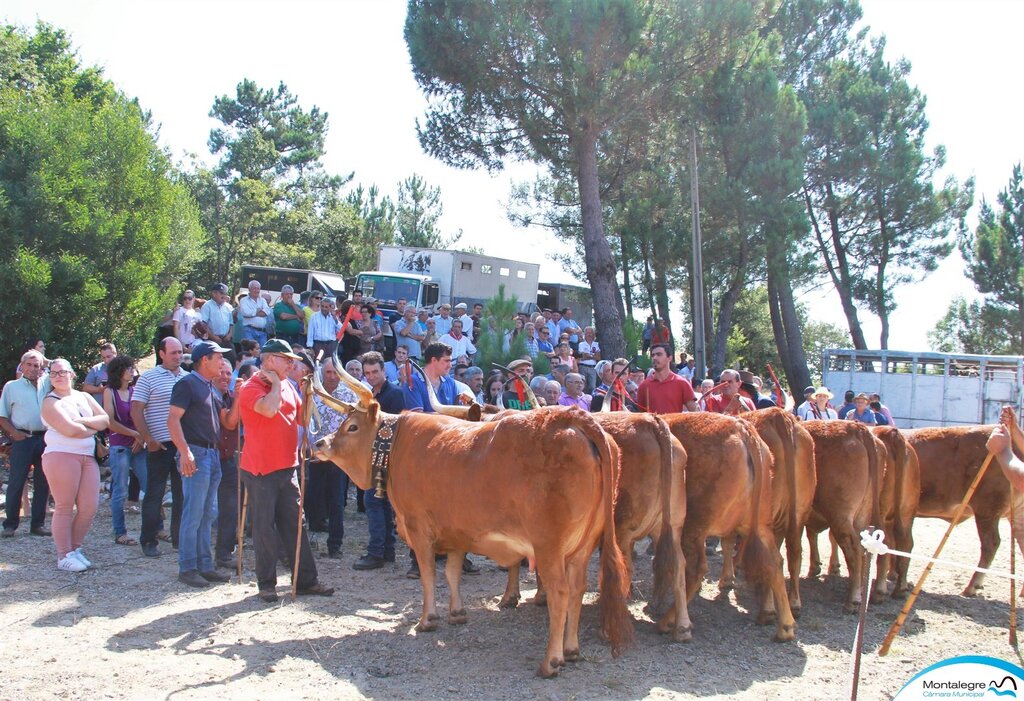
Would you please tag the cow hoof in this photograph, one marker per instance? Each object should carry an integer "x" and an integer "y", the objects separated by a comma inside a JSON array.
[
  {"x": 900, "y": 593},
  {"x": 540, "y": 600},
  {"x": 572, "y": 655},
  {"x": 548, "y": 669},
  {"x": 878, "y": 597},
  {"x": 726, "y": 585},
  {"x": 814, "y": 571},
  {"x": 429, "y": 624},
  {"x": 851, "y": 607},
  {"x": 796, "y": 611},
  {"x": 682, "y": 635},
  {"x": 457, "y": 618},
  {"x": 509, "y": 602},
  {"x": 785, "y": 634},
  {"x": 971, "y": 592},
  {"x": 765, "y": 618}
]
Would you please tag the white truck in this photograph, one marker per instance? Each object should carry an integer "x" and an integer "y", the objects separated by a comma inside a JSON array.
[
  {"x": 929, "y": 389},
  {"x": 273, "y": 279},
  {"x": 428, "y": 278}
]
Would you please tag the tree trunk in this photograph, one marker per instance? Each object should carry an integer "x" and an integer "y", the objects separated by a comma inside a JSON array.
[
  {"x": 839, "y": 271},
  {"x": 797, "y": 372},
  {"x": 597, "y": 253},
  {"x": 627, "y": 297},
  {"x": 778, "y": 328},
  {"x": 648, "y": 278}
]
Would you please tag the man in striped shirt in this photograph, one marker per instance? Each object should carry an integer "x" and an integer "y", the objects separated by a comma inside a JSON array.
[{"x": 151, "y": 403}]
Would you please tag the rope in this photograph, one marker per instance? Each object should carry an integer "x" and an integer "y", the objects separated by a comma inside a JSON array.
[{"x": 874, "y": 543}]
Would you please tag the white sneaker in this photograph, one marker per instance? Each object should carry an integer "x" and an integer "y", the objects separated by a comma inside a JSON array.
[
  {"x": 168, "y": 499},
  {"x": 81, "y": 557},
  {"x": 70, "y": 563}
]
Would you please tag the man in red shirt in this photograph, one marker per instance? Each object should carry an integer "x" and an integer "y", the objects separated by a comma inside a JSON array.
[
  {"x": 665, "y": 392},
  {"x": 729, "y": 400},
  {"x": 271, "y": 413}
]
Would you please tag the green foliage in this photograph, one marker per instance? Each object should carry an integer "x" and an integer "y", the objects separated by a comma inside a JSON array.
[
  {"x": 415, "y": 220},
  {"x": 995, "y": 263},
  {"x": 976, "y": 327},
  {"x": 90, "y": 209},
  {"x": 496, "y": 325}
]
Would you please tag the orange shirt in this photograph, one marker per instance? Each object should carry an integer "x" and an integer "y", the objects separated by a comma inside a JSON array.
[{"x": 271, "y": 444}]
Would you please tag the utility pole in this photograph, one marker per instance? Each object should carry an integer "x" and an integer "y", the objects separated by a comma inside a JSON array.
[{"x": 697, "y": 273}]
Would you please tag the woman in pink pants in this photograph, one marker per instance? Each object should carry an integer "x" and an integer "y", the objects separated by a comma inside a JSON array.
[{"x": 72, "y": 419}]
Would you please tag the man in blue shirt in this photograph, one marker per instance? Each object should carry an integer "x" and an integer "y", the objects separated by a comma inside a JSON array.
[
  {"x": 438, "y": 358},
  {"x": 848, "y": 405},
  {"x": 193, "y": 420},
  {"x": 861, "y": 412}
]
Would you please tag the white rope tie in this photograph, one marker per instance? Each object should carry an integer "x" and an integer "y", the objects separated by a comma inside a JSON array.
[{"x": 874, "y": 543}]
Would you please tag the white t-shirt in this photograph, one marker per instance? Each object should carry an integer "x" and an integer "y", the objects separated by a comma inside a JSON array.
[
  {"x": 186, "y": 319},
  {"x": 585, "y": 347}
]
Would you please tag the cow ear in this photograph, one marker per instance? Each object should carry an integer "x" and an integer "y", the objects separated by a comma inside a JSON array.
[{"x": 371, "y": 413}]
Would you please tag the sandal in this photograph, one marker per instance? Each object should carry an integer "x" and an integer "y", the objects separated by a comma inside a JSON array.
[
  {"x": 125, "y": 539},
  {"x": 164, "y": 536}
]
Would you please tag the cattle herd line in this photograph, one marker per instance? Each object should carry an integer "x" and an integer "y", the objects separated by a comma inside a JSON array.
[{"x": 609, "y": 479}]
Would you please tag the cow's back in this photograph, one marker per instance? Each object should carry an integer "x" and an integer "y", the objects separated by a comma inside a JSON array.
[
  {"x": 497, "y": 488},
  {"x": 949, "y": 459}
]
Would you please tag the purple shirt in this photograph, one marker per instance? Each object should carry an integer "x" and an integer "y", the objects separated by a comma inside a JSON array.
[{"x": 582, "y": 401}]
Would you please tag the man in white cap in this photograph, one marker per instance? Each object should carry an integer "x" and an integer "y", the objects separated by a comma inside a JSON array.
[{"x": 462, "y": 315}]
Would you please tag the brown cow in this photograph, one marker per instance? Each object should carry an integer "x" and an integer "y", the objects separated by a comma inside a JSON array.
[
  {"x": 728, "y": 490},
  {"x": 849, "y": 461},
  {"x": 458, "y": 487},
  {"x": 650, "y": 499},
  {"x": 901, "y": 492},
  {"x": 950, "y": 458},
  {"x": 793, "y": 483}
]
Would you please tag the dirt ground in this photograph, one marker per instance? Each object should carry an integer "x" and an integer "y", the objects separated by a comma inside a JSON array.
[{"x": 128, "y": 629}]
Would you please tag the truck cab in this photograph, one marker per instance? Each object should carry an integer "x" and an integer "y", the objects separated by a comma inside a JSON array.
[{"x": 388, "y": 287}]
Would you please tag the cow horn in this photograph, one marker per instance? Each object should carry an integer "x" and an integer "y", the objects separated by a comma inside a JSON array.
[
  {"x": 331, "y": 400},
  {"x": 459, "y": 412},
  {"x": 364, "y": 395}
]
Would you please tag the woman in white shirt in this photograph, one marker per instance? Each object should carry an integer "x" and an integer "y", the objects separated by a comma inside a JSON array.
[
  {"x": 184, "y": 319},
  {"x": 72, "y": 420}
]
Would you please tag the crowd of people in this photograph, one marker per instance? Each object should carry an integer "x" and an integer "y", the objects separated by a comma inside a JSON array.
[{"x": 233, "y": 421}]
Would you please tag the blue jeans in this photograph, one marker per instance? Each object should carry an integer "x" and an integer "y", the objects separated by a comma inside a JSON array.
[
  {"x": 199, "y": 510},
  {"x": 381, "y": 519},
  {"x": 25, "y": 454},
  {"x": 258, "y": 335},
  {"x": 123, "y": 460}
]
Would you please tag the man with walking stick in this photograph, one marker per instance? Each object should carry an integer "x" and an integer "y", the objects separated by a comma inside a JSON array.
[{"x": 271, "y": 412}]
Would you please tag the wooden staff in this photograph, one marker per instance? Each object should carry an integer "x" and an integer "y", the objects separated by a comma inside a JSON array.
[
  {"x": 1013, "y": 571},
  {"x": 307, "y": 408},
  {"x": 858, "y": 649},
  {"x": 1007, "y": 414},
  {"x": 241, "y": 529}
]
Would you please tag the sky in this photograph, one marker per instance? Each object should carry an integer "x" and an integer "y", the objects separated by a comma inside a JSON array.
[{"x": 349, "y": 58}]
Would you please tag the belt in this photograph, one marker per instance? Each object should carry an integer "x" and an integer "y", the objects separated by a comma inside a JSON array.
[
  {"x": 208, "y": 446},
  {"x": 31, "y": 433}
]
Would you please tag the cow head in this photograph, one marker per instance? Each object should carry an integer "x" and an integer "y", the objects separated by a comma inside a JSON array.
[{"x": 351, "y": 446}]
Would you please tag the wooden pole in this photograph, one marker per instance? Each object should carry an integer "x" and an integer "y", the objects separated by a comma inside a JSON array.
[
  {"x": 858, "y": 650},
  {"x": 307, "y": 410},
  {"x": 909, "y": 604},
  {"x": 1013, "y": 570},
  {"x": 241, "y": 532}
]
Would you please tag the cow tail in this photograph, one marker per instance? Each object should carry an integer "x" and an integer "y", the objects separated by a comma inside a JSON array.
[
  {"x": 616, "y": 622},
  {"x": 792, "y": 526},
  {"x": 667, "y": 555},
  {"x": 874, "y": 477},
  {"x": 758, "y": 559}
]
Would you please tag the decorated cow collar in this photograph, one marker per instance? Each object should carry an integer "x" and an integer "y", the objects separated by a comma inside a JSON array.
[{"x": 380, "y": 458}]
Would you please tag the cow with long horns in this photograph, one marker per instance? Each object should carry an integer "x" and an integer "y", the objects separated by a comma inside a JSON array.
[{"x": 458, "y": 487}]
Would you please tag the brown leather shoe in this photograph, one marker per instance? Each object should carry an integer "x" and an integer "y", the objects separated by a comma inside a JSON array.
[
  {"x": 42, "y": 530},
  {"x": 316, "y": 589}
]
